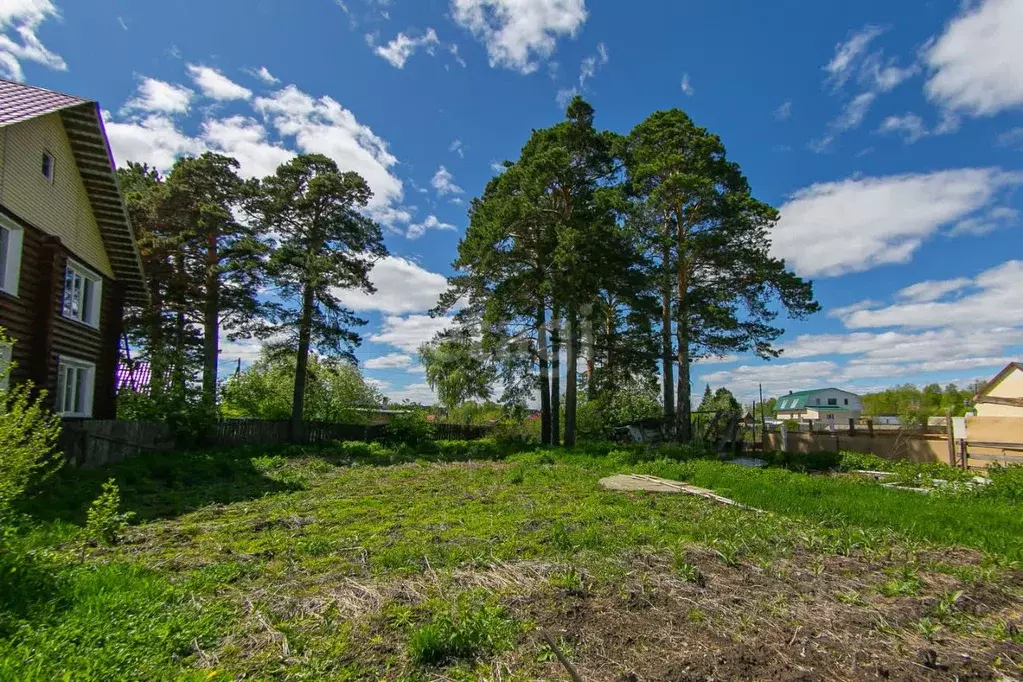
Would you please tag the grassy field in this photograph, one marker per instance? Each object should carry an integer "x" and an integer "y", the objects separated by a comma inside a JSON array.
[{"x": 353, "y": 563}]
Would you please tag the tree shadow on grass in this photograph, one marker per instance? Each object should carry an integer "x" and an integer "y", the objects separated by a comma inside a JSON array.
[{"x": 158, "y": 485}]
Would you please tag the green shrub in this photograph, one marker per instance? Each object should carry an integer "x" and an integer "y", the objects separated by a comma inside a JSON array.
[
  {"x": 474, "y": 629},
  {"x": 28, "y": 437},
  {"x": 1006, "y": 482},
  {"x": 409, "y": 428},
  {"x": 104, "y": 520}
]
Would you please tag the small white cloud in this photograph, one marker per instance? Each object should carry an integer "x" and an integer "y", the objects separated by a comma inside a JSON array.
[
  {"x": 592, "y": 63},
  {"x": 154, "y": 95},
  {"x": 389, "y": 361},
  {"x": 783, "y": 111},
  {"x": 565, "y": 96},
  {"x": 216, "y": 85},
  {"x": 498, "y": 166},
  {"x": 910, "y": 126},
  {"x": 1012, "y": 138},
  {"x": 398, "y": 51},
  {"x": 687, "y": 86},
  {"x": 457, "y": 148},
  {"x": 518, "y": 34},
  {"x": 120, "y": 21},
  {"x": 417, "y": 230},
  {"x": 847, "y": 53},
  {"x": 986, "y": 223},
  {"x": 444, "y": 182},
  {"x": 263, "y": 74}
]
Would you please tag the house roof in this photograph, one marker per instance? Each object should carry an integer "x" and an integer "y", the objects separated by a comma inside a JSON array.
[
  {"x": 88, "y": 139},
  {"x": 1006, "y": 371}
]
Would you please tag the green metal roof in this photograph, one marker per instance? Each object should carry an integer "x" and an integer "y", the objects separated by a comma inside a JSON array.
[{"x": 799, "y": 400}]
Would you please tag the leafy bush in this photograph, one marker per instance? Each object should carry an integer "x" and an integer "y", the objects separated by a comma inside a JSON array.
[
  {"x": 28, "y": 437},
  {"x": 104, "y": 520},
  {"x": 409, "y": 428},
  {"x": 474, "y": 629},
  {"x": 1006, "y": 482}
]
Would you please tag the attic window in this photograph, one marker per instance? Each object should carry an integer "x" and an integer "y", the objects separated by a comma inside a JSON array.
[{"x": 48, "y": 166}]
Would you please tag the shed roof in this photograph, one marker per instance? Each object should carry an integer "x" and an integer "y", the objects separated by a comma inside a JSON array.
[{"x": 84, "y": 126}]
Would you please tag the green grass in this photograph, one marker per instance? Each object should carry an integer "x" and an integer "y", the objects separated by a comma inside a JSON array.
[{"x": 362, "y": 562}]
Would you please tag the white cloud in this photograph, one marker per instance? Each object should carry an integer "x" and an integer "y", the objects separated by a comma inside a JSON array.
[
  {"x": 932, "y": 290},
  {"x": 19, "y": 20},
  {"x": 323, "y": 126},
  {"x": 590, "y": 65},
  {"x": 246, "y": 140},
  {"x": 417, "y": 230},
  {"x": 783, "y": 111},
  {"x": 408, "y": 333},
  {"x": 1012, "y": 138},
  {"x": 416, "y": 393},
  {"x": 832, "y": 228},
  {"x": 159, "y": 96},
  {"x": 565, "y": 96},
  {"x": 444, "y": 182},
  {"x": 716, "y": 360},
  {"x": 993, "y": 301},
  {"x": 401, "y": 287},
  {"x": 398, "y": 51},
  {"x": 519, "y": 33},
  {"x": 903, "y": 347},
  {"x": 246, "y": 350},
  {"x": 389, "y": 361},
  {"x": 216, "y": 85},
  {"x": 263, "y": 74},
  {"x": 910, "y": 126},
  {"x": 986, "y": 223},
  {"x": 977, "y": 63},
  {"x": 155, "y": 140},
  {"x": 687, "y": 86},
  {"x": 843, "y": 63},
  {"x": 497, "y": 166},
  {"x": 852, "y": 116},
  {"x": 457, "y": 148},
  {"x": 776, "y": 378}
]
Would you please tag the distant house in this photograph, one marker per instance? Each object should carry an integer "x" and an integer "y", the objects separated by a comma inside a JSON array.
[
  {"x": 820, "y": 404},
  {"x": 1003, "y": 395},
  {"x": 885, "y": 419},
  {"x": 68, "y": 259}
]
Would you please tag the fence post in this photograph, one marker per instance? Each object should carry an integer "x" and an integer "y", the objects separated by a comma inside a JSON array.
[
  {"x": 951, "y": 442},
  {"x": 870, "y": 434}
]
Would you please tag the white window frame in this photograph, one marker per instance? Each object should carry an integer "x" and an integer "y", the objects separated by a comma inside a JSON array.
[
  {"x": 85, "y": 372},
  {"x": 90, "y": 312},
  {"x": 13, "y": 236},
  {"x": 53, "y": 167},
  {"x": 6, "y": 354}
]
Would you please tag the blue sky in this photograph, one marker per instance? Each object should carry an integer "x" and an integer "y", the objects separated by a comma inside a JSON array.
[{"x": 889, "y": 134}]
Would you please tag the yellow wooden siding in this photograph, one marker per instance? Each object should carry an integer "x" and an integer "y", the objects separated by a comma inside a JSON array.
[
  {"x": 60, "y": 208},
  {"x": 1009, "y": 387},
  {"x": 3, "y": 146}
]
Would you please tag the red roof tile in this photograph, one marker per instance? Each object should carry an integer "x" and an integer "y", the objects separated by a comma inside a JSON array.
[{"x": 20, "y": 102}]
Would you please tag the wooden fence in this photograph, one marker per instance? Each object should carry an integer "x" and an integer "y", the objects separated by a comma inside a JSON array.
[
  {"x": 988, "y": 440},
  {"x": 95, "y": 442}
]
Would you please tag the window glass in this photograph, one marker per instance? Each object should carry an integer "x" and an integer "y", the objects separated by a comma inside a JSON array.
[
  {"x": 74, "y": 387},
  {"x": 82, "y": 295},
  {"x": 48, "y": 166}
]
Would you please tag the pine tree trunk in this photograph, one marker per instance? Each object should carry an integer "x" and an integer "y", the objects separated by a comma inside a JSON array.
[
  {"x": 683, "y": 421},
  {"x": 545, "y": 380},
  {"x": 302, "y": 361},
  {"x": 555, "y": 377},
  {"x": 211, "y": 326},
  {"x": 571, "y": 357},
  {"x": 667, "y": 372},
  {"x": 591, "y": 365}
]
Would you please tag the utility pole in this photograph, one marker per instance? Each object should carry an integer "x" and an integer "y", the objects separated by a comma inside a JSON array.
[{"x": 763, "y": 420}]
